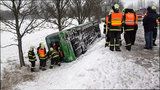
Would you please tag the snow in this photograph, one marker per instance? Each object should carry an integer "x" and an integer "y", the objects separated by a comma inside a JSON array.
[
  {"x": 98, "y": 68},
  {"x": 10, "y": 54}
]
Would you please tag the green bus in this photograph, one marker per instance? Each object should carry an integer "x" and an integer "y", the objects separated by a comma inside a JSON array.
[{"x": 75, "y": 41}]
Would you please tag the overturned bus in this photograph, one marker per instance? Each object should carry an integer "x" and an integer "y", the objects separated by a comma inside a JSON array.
[{"x": 75, "y": 41}]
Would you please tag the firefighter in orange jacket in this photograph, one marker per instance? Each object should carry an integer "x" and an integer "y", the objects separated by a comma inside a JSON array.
[
  {"x": 130, "y": 27},
  {"x": 115, "y": 25},
  {"x": 41, "y": 51},
  {"x": 106, "y": 30}
]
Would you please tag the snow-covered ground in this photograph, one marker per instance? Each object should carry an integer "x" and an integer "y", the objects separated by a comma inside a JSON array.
[
  {"x": 10, "y": 54},
  {"x": 98, "y": 68}
]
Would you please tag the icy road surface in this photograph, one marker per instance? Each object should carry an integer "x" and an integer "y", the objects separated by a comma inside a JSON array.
[{"x": 100, "y": 68}]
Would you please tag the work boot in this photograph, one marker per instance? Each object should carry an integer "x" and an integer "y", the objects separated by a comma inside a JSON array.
[
  {"x": 51, "y": 67},
  {"x": 106, "y": 44},
  {"x": 154, "y": 44},
  {"x": 32, "y": 69},
  {"x": 117, "y": 48},
  {"x": 43, "y": 69},
  {"x": 40, "y": 67},
  {"x": 128, "y": 48},
  {"x": 148, "y": 48},
  {"x": 111, "y": 48},
  {"x": 132, "y": 43},
  {"x": 120, "y": 43},
  {"x": 59, "y": 64}
]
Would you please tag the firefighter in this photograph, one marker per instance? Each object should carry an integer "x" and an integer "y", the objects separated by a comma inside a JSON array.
[
  {"x": 56, "y": 47},
  {"x": 32, "y": 58},
  {"x": 149, "y": 23},
  {"x": 54, "y": 57},
  {"x": 155, "y": 28},
  {"x": 130, "y": 24},
  {"x": 115, "y": 27},
  {"x": 106, "y": 32},
  {"x": 41, "y": 51}
]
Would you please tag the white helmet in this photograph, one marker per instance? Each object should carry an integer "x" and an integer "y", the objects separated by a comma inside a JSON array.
[
  {"x": 51, "y": 49},
  {"x": 154, "y": 7},
  {"x": 42, "y": 45},
  {"x": 31, "y": 48},
  {"x": 116, "y": 6}
]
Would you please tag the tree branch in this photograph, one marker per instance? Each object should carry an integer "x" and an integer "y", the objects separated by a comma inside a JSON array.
[
  {"x": 6, "y": 5},
  {"x": 9, "y": 45},
  {"x": 8, "y": 31},
  {"x": 29, "y": 30},
  {"x": 9, "y": 24}
]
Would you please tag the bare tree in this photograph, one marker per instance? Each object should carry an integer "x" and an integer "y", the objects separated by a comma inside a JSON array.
[
  {"x": 78, "y": 9},
  {"x": 83, "y": 9},
  {"x": 21, "y": 10},
  {"x": 97, "y": 9},
  {"x": 56, "y": 11}
]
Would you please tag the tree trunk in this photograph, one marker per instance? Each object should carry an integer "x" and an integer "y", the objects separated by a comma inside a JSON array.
[
  {"x": 89, "y": 18},
  {"x": 59, "y": 16},
  {"x": 22, "y": 63},
  {"x": 80, "y": 21},
  {"x": 19, "y": 37},
  {"x": 59, "y": 25}
]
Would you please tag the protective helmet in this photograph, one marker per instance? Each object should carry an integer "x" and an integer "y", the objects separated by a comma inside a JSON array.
[
  {"x": 154, "y": 7},
  {"x": 116, "y": 6},
  {"x": 42, "y": 45},
  {"x": 31, "y": 48},
  {"x": 51, "y": 49}
]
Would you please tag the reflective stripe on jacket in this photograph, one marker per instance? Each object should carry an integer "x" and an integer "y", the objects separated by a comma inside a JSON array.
[
  {"x": 130, "y": 19},
  {"x": 116, "y": 19},
  {"x": 53, "y": 54},
  {"x": 41, "y": 53},
  {"x": 31, "y": 56}
]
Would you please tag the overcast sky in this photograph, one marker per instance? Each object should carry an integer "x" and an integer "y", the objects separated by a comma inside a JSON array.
[{"x": 128, "y": 2}]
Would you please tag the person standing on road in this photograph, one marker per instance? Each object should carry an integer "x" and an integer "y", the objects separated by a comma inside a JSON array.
[
  {"x": 155, "y": 28},
  {"x": 130, "y": 27},
  {"x": 32, "y": 58},
  {"x": 149, "y": 23},
  {"x": 41, "y": 51},
  {"x": 115, "y": 27},
  {"x": 106, "y": 30}
]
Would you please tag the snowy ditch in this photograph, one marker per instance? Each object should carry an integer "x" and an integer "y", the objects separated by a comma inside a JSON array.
[{"x": 98, "y": 68}]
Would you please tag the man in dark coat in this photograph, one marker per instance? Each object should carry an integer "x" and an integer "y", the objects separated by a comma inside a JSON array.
[
  {"x": 155, "y": 28},
  {"x": 149, "y": 23}
]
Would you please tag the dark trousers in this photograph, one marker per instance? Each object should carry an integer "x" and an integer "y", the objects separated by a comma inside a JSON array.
[
  {"x": 42, "y": 63},
  {"x": 128, "y": 36},
  {"x": 115, "y": 40},
  {"x": 52, "y": 61},
  {"x": 107, "y": 38},
  {"x": 133, "y": 36},
  {"x": 57, "y": 60},
  {"x": 32, "y": 65},
  {"x": 154, "y": 34},
  {"x": 149, "y": 39}
]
